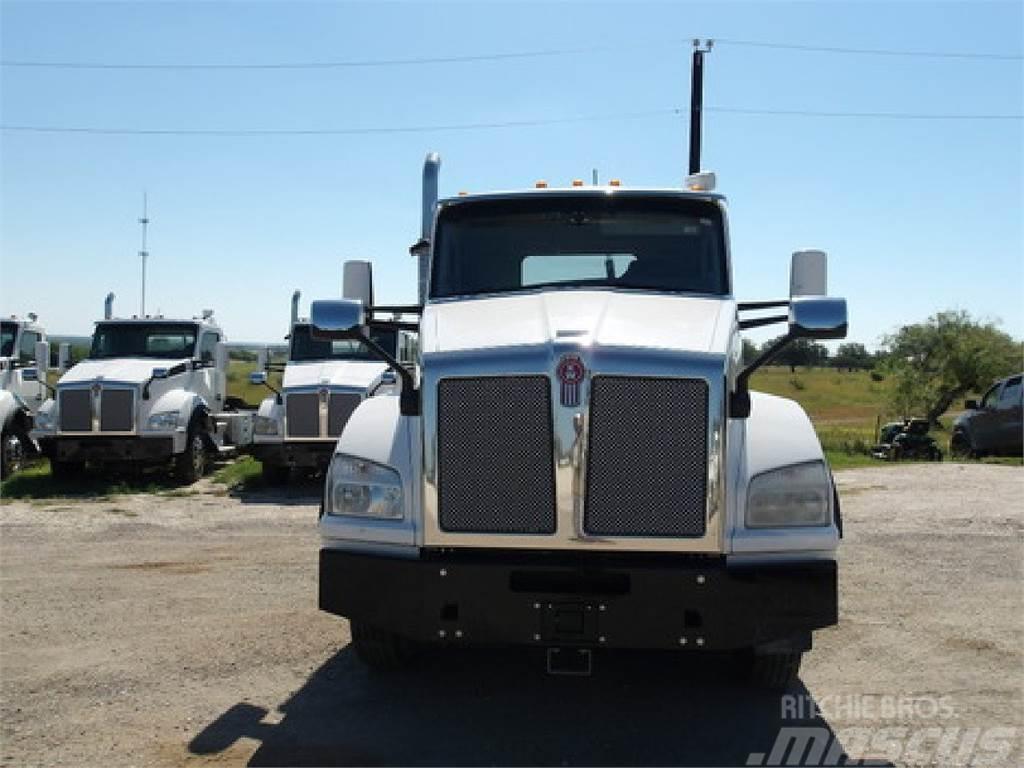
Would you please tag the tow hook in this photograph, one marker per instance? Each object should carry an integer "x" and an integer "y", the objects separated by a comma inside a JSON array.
[{"x": 570, "y": 661}]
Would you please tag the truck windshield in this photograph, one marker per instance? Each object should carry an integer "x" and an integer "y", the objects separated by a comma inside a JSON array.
[
  {"x": 7, "y": 333},
  {"x": 305, "y": 347},
  {"x": 171, "y": 341},
  {"x": 574, "y": 241}
]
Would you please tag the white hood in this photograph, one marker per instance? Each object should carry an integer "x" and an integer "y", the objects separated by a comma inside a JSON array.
[
  {"x": 128, "y": 370},
  {"x": 357, "y": 374},
  {"x": 591, "y": 318}
]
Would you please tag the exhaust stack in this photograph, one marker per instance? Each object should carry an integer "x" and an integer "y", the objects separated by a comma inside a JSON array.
[
  {"x": 108, "y": 306},
  {"x": 295, "y": 306},
  {"x": 421, "y": 250}
]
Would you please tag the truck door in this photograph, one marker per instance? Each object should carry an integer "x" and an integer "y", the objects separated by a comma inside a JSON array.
[
  {"x": 211, "y": 381},
  {"x": 32, "y": 392},
  {"x": 1009, "y": 417},
  {"x": 985, "y": 421}
]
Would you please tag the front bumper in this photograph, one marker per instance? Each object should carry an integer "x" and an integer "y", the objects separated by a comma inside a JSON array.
[
  {"x": 305, "y": 454},
  {"x": 567, "y": 599},
  {"x": 105, "y": 450}
]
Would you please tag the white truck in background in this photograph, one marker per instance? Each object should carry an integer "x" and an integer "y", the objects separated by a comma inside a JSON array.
[
  {"x": 152, "y": 390},
  {"x": 578, "y": 462},
  {"x": 323, "y": 382},
  {"x": 24, "y": 363}
]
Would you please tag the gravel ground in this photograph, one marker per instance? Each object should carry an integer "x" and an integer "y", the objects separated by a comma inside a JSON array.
[{"x": 176, "y": 629}]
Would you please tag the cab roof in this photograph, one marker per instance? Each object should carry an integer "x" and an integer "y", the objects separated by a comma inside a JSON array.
[{"x": 585, "y": 192}]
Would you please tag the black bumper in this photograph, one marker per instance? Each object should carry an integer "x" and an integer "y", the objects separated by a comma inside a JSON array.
[
  {"x": 108, "y": 449},
  {"x": 314, "y": 455},
  {"x": 501, "y": 598}
]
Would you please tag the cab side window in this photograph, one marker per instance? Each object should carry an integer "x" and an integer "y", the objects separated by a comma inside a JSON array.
[
  {"x": 207, "y": 345},
  {"x": 27, "y": 347},
  {"x": 989, "y": 400},
  {"x": 1011, "y": 394}
]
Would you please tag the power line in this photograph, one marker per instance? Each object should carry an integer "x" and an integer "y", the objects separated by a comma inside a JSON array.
[
  {"x": 511, "y": 55},
  {"x": 370, "y": 130}
]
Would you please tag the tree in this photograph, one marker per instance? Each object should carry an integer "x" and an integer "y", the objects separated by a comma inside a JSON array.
[
  {"x": 800, "y": 352},
  {"x": 934, "y": 363},
  {"x": 852, "y": 356},
  {"x": 749, "y": 352}
]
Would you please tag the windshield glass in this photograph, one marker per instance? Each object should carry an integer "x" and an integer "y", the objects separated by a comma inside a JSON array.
[
  {"x": 7, "y": 333},
  {"x": 305, "y": 347},
  {"x": 642, "y": 243},
  {"x": 170, "y": 341}
]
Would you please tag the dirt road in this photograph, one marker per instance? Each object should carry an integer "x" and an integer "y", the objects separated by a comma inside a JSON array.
[{"x": 161, "y": 630}]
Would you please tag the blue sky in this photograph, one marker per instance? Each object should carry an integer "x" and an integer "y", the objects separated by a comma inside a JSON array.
[{"x": 917, "y": 215}]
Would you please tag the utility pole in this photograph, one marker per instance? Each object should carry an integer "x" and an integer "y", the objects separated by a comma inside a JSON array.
[
  {"x": 143, "y": 253},
  {"x": 697, "y": 100}
]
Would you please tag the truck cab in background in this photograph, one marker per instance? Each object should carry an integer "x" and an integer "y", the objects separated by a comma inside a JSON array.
[
  {"x": 152, "y": 390},
  {"x": 24, "y": 363},
  {"x": 578, "y": 462},
  {"x": 323, "y": 382}
]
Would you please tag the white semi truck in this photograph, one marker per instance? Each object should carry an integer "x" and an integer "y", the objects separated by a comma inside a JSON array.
[
  {"x": 24, "y": 362},
  {"x": 323, "y": 382},
  {"x": 578, "y": 462},
  {"x": 152, "y": 390}
]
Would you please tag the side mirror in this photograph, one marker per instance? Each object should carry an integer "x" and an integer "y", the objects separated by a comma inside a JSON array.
[
  {"x": 258, "y": 378},
  {"x": 818, "y": 317},
  {"x": 336, "y": 318},
  {"x": 159, "y": 373},
  {"x": 808, "y": 274},
  {"x": 263, "y": 359},
  {"x": 357, "y": 282},
  {"x": 43, "y": 356},
  {"x": 30, "y": 374},
  {"x": 220, "y": 355},
  {"x": 971, "y": 405},
  {"x": 64, "y": 357}
]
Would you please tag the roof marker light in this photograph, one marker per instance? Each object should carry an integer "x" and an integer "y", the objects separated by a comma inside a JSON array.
[
  {"x": 577, "y": 182},
  {"x": 614, "y": 183},
  {"x": 541, "y": 184},
  {"x": 700, "y": 182},
  {"x": 463, "y": 193}
]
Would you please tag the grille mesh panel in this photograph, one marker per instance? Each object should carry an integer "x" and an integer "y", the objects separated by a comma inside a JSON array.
[
  {"x": 76, "y": 410},
  {"x": 116, "y": 407},
  {"x": 495, "y": 456},
  {"x": 647, "y": 457},
  {"x": 303, "y": 414},
  {"x": 339, "y": 408}
]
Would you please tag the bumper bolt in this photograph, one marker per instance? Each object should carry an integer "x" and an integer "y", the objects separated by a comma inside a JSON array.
[
  {"x": 458, "y": 633},
  {"x": 601, "y": 639},
  {"x": 602, "y": 607},
  {"x": 682, "y": 641},
  {"x": 441, "y": 633},
  {"x": 700, "y": 641},
  {"x": 444, "y": 572},
  {"x": 536, "y": 606},
  {"x": 536, "y": 637},
  {"x": 701, "y": 579}
]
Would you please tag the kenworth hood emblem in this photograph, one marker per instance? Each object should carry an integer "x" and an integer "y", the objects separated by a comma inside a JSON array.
[{"x": 570, "y": 373}]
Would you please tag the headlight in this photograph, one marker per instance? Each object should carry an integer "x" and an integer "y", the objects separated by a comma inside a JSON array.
[
  {"x": 162, "y": 421},
  {"x": 264, "y": 425},
  {"x": 796, "y": 495},
  {"x": 43, "y": 420},
  {"x": 359, "y": 488}
]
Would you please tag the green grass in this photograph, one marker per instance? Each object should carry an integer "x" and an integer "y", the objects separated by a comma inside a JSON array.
[
  {"x": 244, "y": 473},
  {"x": 36, "y": 482}
]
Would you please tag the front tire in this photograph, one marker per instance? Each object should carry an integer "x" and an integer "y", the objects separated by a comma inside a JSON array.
[
  {"x": 12, "y": 457},
  {"x": 275, "y": 474},
  {"x": 775, "y": 671},
  {"x": 379, "y": 649},
  {"x": 960, "y": 447},
  {"x": 190, "y": 464}
]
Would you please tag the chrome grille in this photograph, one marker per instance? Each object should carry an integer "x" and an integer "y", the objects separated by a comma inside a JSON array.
[
  {"x": 339, "y": 409},
  {"x": 302, "y": 411},
  {"x": 117, "y": 410},
  {"x": 646, "y": 471},
  {"x": 76, "y": 410},
  {"x": 495, "y": 458}
]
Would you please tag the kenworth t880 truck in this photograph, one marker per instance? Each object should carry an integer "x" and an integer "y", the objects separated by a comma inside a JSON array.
[
  {"x": 323, "y": 382},
  {"x": 578, "y": 462},
  {"x": 152, "y": 390}
]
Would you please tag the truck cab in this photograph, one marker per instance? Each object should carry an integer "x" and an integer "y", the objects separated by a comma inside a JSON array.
[
  {"x": 152, "y": 389},
  {"x": 22, "y": 386},
  {"x": 323, "y": 382},
  {"x": 578, "y": 462}
]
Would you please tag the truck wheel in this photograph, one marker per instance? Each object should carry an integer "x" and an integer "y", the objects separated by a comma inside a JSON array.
[
  {"x": 379, "y": 649},
  {"x": 190, "y": 464},
  {"x": 276, "y": 474},
  {"x": 12, "y": 455},
  {"x": 775, "y": 671}
]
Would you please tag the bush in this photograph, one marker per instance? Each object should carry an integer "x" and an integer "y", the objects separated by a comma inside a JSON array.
[
  {"x": 797, "y": 384},
  {"x": 877, "y": 376}
]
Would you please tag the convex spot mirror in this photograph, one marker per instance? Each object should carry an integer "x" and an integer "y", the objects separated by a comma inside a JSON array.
[
  {"x": 43, "y": 356},
  {"x": 220, "y": 355},
  {"x": 258, "y": 377},
  {"x": 159, "y": 373},
  {"x": 336, "y": 318}
]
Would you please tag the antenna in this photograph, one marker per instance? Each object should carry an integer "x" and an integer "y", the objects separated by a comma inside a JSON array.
[
  {"x": 143, "y": 253},
  {"x": 697, "y": 100}
]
